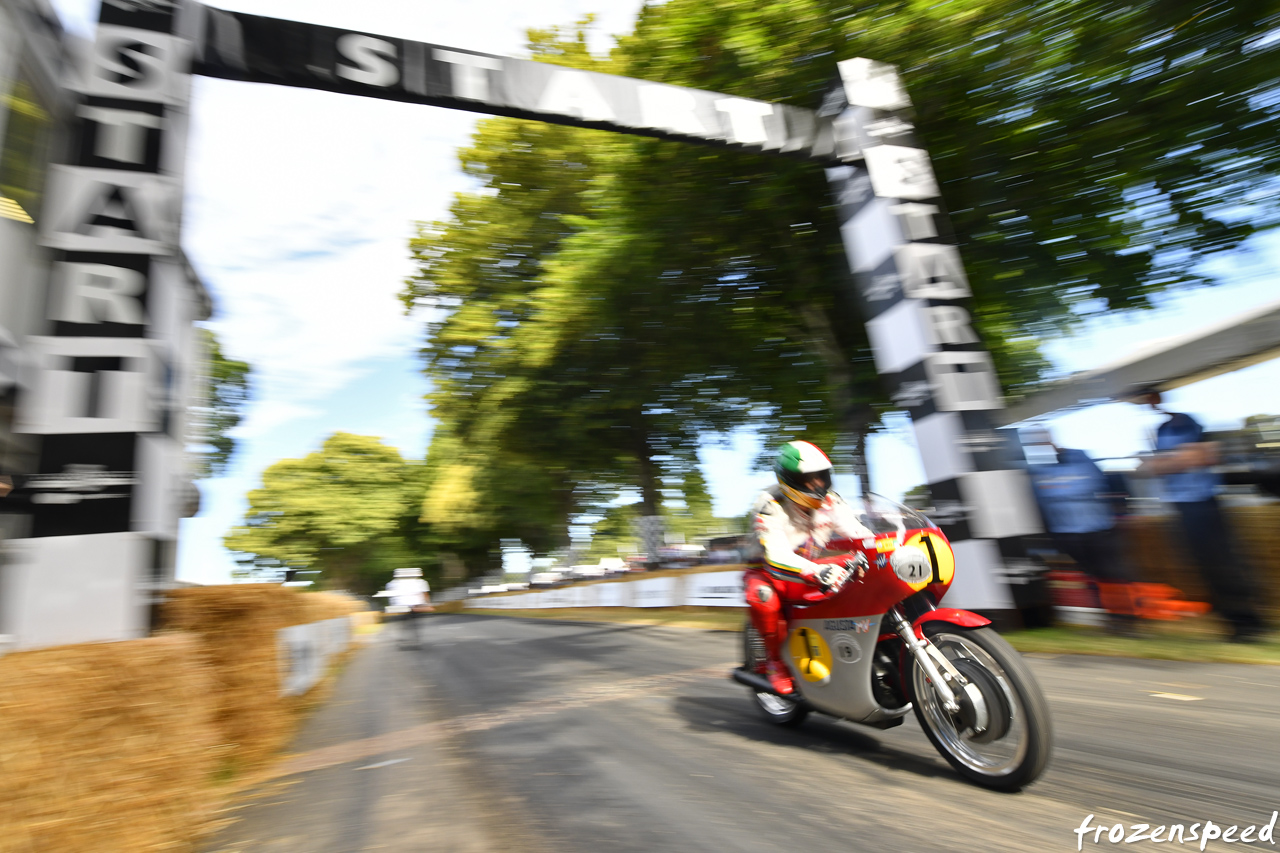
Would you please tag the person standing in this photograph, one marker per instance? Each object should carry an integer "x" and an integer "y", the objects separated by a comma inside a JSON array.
[
  {"x": 1072, "y": 493},
  {"x": 1183, "y": 461}
]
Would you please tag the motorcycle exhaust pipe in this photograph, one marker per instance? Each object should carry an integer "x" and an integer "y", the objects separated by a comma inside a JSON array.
[{"x": 760, "y": 684}]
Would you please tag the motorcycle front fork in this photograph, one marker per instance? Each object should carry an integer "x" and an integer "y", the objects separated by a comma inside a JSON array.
[{"x": 946, "y": 679}]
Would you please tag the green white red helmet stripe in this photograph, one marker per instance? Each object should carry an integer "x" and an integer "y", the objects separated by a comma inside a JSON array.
[{"x": 801, "y": 457}]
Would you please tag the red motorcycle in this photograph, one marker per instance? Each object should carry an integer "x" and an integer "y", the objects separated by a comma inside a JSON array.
[{"x": 879, "y": 646}]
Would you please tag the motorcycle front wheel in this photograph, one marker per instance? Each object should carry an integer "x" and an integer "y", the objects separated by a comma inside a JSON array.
[
  {"x": 779, "y": 711},
  {"x": 1013, "y": 748}
]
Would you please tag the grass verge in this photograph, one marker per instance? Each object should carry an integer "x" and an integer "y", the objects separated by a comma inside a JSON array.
[
  {"x": 1165, "y": 642},
  {"x": 1196, "y": 640}
]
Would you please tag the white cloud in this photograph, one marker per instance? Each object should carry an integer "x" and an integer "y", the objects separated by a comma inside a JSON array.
[{"x": 267, "y": 416}]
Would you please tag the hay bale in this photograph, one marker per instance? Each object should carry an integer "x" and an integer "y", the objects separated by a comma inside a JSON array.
[
  {"x": 237, "y": 627},
  {"x": 1158, "y": 550},
  {"x": 320, "y": 606},
  {"x": 1257, "y": 528},
  {"x": 105, "y": 747}
]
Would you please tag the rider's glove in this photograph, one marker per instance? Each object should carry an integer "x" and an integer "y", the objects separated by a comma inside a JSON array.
[
  {"x": 857, "y": 564},
  {"x": 833, "y": 576}
]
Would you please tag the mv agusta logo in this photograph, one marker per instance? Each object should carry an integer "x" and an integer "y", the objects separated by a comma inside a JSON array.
[{"x": 859, "y": 626}]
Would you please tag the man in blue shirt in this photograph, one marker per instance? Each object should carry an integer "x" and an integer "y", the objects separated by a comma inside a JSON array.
[
  {"x": 1183, "y": 461},
  {"x": 1072, "y": 494}
]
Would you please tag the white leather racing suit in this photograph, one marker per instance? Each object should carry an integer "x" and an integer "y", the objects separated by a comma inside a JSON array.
[{"x": 790, "y": 535}]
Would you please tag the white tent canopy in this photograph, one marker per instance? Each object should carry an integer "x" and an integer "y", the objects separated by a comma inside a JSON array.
[{"x": 1237, "y": 342}]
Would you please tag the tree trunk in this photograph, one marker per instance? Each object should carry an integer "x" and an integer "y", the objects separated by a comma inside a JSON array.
[
  {"x": 564, "y": 495},
  {"x": 341, "y": 571},
  {"x": 650, "y": 496},
  {"x": 853, "y": 421},
  {"x": 860, "y": 458}
]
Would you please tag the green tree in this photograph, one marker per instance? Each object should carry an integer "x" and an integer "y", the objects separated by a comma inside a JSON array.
[
  {"x": 610, "y": 300},
  {"x": 349, "y": 510},
  {"x": 221, "y": 410},
  {"x": 1089, "y": 153},
  {"x": 560, "y": 333},
  {"x": 475, "y": 495}
]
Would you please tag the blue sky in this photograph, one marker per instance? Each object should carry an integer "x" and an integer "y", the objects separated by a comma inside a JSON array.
[{"x": 299, "y": 206}]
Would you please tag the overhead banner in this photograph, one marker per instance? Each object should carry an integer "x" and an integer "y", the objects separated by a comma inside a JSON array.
[{"x": 236, "y": 46}]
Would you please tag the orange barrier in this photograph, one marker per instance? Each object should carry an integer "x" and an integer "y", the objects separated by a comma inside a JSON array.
[
  {"x": 1144, "y": 600},
  {"x": 1161, "y": 601}
]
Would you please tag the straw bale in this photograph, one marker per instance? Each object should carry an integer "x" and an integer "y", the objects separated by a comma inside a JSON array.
[
  {"x": 1157, "y": 549},
  {"x": 237, "y": 628},
  {"x": 105, "y": 747},
  {"x": 330, "y": 605},
  {"x": 1258, "y": 531}
]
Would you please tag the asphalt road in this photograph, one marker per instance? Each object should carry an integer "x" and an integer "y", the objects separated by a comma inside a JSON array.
[{"x": 514, "y": 735}]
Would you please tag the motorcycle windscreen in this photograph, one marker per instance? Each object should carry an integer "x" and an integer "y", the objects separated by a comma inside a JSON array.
[{"x": 881, "y": 515}]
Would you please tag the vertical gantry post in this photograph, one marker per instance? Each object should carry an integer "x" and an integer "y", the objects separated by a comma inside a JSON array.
[
  {"x": 112, "y": 377},
  {"x": 915, "y": 298}
]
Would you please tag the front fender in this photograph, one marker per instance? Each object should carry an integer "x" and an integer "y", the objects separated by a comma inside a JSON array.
[{"x": 952, "y": 616}]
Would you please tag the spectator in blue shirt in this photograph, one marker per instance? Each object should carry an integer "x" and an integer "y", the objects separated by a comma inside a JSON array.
[
  {"x": 1074, "y": 499},
  {"x": 1183, "y": 461}
]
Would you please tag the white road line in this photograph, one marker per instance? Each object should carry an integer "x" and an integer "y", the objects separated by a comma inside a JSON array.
[{"x": 382, "y": 764}]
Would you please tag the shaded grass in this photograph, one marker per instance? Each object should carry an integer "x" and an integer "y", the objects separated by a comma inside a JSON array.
[
  {"x": 1196, "y": 640},
  {"x": 1171, "y": 642}
]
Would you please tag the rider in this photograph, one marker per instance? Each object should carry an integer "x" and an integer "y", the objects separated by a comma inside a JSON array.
[
  {"x": 793, "y": 521},
  {"x": 408, "y": 590}
]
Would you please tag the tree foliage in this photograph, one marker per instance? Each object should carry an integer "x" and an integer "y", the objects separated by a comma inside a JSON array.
[
  {"x": 221, "y": 410},
  {"x": 348, "y": 510},
  {"x": 603, "y": 302}
]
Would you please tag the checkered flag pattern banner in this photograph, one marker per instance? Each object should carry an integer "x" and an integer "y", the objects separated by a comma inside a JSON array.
[
  {"x": 113, "y": 372},
  {"x": 915, "y": 297}
]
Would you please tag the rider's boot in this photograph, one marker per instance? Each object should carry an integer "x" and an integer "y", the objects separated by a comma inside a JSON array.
[
  {"x": 776, "y": 672},
  {"x": 771, "y": 625}
]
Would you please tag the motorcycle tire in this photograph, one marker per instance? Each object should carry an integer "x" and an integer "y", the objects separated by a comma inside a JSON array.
[
  {"x": 777, "y": 710},
  {"x": 1013, "y": 749}
]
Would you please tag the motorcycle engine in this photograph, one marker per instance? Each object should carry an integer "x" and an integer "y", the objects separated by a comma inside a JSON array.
[{"x": 886, "y": 683}]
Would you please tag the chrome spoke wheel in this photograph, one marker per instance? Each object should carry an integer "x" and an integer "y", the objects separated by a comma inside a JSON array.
[{"x": 1011, "y": 745}]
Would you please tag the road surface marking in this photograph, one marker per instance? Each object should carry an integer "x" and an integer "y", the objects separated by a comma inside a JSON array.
[
  {"x": 1181, "y": 697},
  {"x": 382, "y": 764}
]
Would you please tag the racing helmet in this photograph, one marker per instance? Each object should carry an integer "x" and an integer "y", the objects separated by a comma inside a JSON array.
[{"x": 804, "y": 473}]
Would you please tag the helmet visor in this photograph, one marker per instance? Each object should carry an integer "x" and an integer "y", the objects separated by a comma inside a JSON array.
[{"x": 815, "y": 483}]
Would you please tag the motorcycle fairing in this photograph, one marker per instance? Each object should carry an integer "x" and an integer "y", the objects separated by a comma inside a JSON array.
[
  {"x": 880, "y": 588},
  {"x": 830, "y": 661}
]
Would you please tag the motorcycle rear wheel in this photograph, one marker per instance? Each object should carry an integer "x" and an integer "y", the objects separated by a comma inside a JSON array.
[
  {"x": 779, "y": 711},
  {"x": 1014, "y": 749}
]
